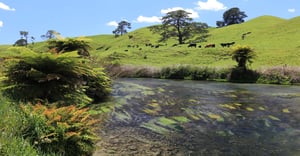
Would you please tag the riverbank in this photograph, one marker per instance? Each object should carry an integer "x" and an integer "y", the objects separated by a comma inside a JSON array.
[{"x": 283, "y": 75}]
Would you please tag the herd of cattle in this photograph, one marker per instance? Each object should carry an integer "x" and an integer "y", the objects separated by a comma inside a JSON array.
[
  {"x": 191, "y": 45},
  {"x": 212, "y": 45}
]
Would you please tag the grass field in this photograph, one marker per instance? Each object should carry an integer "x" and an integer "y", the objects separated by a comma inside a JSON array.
[{"x": 275, "y": 40}]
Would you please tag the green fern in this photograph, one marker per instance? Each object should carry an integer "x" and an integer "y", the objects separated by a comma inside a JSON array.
[{"x": 29, "y": 76}]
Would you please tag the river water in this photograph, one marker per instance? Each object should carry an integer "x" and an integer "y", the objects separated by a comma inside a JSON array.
[{"x": 172, "y": 117}]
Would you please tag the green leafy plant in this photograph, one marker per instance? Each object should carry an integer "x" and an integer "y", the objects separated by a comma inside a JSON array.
[
  {"x": 188, "y": 72},
  {"x": 66, "y": 77},
  {"x": 68, "y": 45},
  {"x": 243, "y": 55},
  {"x": 67, "y": 130}
]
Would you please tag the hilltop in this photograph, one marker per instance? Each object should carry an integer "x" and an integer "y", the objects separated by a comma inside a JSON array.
[{"x": 275, "y": 40}]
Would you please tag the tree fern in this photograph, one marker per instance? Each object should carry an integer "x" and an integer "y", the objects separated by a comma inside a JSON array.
[{"x": 63, "y": 77}]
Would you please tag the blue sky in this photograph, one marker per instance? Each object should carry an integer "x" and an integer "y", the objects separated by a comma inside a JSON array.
[{"x": 93, "y": 17}]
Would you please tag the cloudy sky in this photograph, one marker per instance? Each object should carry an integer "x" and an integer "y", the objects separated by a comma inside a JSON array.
[{"x": 93, "y": 17}]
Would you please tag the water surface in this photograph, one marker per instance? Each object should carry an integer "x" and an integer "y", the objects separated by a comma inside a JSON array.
[{"x": 203, "y": 118}]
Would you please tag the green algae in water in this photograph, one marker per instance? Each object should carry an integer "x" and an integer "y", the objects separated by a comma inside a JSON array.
[
  {"x": 123, "y": 116},
  {"x": 155, "y": 128},
  {"x": 166, "y": 121},
  {"x": 181, "y": 119}
]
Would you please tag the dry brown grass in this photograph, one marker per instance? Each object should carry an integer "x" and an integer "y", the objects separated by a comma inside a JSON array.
[
  {"x": 280, "y": 74},
  {"x": 118, "y": 71}
]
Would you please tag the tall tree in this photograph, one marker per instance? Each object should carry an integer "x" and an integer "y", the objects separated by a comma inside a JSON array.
[
  {"x": 122, "y": 28},
  {"x": 25, "y": 35},
  {"x": 178, "y": 24},
  {"x": 50, "y": 34},
  {"x": 234, "y": 16}
]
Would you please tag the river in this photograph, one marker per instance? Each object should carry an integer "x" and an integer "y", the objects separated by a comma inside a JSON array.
[{"x": 180, "y": 117}]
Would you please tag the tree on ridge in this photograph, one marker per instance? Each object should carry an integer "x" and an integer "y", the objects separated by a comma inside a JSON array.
[
  {"x": 122, "y": 28},
  {"x": 232, "y": 16},
  {"x": 178, "y": 24}
]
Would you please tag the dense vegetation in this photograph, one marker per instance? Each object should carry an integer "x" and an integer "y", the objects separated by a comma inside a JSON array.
[{"x": 48, "y": 96}]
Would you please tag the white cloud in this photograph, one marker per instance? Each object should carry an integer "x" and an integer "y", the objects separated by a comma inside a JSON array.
[
  {"x": 112, "y": 23},
  {"x": 6, "y": 7},
  {"x": 193, "y": 14},
  {"x": 1, "y": 24},
  {"x": 213, "y": 5},
  {"x": 291, "y": 10},
  {"x": 153, "y": 19}
]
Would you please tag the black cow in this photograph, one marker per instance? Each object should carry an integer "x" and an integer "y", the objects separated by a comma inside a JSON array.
[
  {"x": 227, "y": 44},
  {"x": 192, "y": 45},
  {"x": 224, "y": 44}
]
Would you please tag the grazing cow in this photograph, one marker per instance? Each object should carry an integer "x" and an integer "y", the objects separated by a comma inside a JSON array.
[
  {"x": 227, "y": 44},
  {"x": 210, "y": 46},
  {"x": 224, "y": 45},
  {"x": 192, "y": 45}
]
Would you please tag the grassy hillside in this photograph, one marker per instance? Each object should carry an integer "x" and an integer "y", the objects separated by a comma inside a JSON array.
[{"x": 275, "y": 40}]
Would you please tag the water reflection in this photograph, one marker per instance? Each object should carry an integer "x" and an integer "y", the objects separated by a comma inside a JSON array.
[{"x": 207, "y": 118}]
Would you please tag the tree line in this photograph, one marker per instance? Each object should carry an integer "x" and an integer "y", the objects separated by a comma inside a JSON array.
[
  {"x": 177, "y": 24},
  {"x": 23, "y": 41}
]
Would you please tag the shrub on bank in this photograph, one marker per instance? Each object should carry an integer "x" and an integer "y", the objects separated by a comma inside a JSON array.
[
  {"x": 11, "y": 141},
  {"x": 243, "y": 75},
  {"x": 193, "y": 73},
  {"x": 67, "y": 130},
  {"x": 176, "y": 72}
]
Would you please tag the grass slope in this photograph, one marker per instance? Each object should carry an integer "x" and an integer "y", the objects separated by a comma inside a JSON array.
[{"x": 275, "y": 40}]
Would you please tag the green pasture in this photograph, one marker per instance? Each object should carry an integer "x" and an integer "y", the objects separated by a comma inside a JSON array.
[{"x": 275, "y": 41}]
